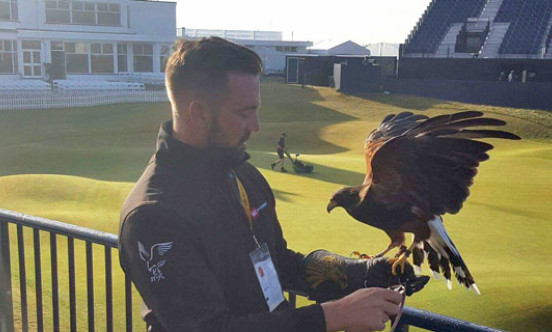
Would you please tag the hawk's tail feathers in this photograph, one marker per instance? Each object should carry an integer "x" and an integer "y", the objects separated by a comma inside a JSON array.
[
  {"x": 437, "y": 263},
  {"x": 448, "y": 254}
]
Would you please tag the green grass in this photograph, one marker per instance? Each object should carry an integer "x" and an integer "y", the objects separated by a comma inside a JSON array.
[{"x": 77, "y": 165}]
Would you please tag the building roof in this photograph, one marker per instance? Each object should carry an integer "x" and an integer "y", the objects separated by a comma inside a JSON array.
[
  {"x": 243, "y": 37},
  {"x": 345, "y": 48},
  {"x": 230, "y": 34}
]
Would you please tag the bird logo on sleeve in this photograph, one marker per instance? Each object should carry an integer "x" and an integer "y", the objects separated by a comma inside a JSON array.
[{"x": 154, "y": 259}]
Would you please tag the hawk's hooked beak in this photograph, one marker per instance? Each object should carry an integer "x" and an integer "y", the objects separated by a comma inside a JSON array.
[{"x": 331, "y": 205}]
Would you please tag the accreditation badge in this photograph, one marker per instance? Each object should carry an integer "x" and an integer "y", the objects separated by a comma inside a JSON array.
[{"x": 268, "y": 278}]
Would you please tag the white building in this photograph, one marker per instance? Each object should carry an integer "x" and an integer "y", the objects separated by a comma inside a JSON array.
[
  {"x": 269, "y": 45},
  {"x": 92, "y": 39}
]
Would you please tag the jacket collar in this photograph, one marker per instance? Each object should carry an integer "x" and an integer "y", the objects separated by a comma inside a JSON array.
[{"x": 175, "y": 152}]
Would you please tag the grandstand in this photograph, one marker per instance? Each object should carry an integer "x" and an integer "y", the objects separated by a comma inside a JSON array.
[
  {"x": 492, "y": 52},
  {"x": 483, "y": 28}
]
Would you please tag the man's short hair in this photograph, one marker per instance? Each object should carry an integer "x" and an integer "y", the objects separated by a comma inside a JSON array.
[{"x": 201, "y": 67}]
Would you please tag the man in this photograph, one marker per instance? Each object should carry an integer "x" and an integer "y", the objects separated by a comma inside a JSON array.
[
  {"x": 512, "y": 76},
  {"x": 199, "y": 236},
  {"x": 280, "y": 150}
]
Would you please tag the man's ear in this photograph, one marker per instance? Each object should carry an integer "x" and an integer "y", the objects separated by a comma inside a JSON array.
[{"x": 200, "y": 114}]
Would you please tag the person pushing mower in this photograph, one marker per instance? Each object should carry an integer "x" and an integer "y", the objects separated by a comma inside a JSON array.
[{"x": 280, "y": 150}]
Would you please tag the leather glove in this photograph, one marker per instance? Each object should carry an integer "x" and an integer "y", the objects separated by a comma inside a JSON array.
[{"x": 330, "y": 276}]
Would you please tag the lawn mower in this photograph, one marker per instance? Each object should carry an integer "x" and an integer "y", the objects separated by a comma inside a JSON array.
[{"x": 299, "y": 166}]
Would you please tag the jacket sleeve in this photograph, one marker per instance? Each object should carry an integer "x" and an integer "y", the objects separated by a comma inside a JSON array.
[{"x": 180, "y": 289}]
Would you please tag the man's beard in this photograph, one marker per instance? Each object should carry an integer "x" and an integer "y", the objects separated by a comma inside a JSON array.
[{"x": 213, "y": 134}]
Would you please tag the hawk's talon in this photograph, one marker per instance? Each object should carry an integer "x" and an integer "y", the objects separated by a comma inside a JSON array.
[{"x": 400, "y": 261}]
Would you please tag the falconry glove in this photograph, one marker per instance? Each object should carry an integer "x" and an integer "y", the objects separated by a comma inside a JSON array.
[{"x": 330, "y": 276}]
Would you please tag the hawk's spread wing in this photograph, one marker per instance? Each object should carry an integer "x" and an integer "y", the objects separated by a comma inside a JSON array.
[
  {"x": 429, "y": 163},
  {"x": 391, "y": 126}
]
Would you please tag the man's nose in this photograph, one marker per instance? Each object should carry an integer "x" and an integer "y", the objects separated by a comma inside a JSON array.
[{"x": 254, "y": 125}]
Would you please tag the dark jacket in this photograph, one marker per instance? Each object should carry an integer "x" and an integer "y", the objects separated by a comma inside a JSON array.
[{"x": 185, "y": 243}]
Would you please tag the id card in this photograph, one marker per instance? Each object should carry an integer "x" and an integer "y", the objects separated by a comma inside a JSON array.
[{"x": 268, "y": 278}]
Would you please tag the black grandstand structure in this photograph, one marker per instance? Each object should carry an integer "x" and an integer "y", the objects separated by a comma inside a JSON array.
[
  {"x": 495, "y": 52},
  {"x": 483, "y": 28},
  {"x": 492, "y": 52}
]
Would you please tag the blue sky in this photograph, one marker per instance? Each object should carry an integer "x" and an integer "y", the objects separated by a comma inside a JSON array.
[{"x": 367, "y": 21}]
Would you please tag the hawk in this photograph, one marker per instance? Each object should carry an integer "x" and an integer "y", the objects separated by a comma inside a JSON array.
[{"x": 417, "y": 169}]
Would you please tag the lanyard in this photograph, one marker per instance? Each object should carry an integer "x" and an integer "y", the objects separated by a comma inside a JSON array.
[
  {"x": 396, "y": 319},
  {"x": 245, "y": 205}
]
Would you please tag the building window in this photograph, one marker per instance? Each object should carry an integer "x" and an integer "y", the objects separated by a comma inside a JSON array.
[
  {"x": 286, "y": 49},
  {"x": 56, "y": 46},
  {"x": 164, "y": 56},
  {"x": 57, "y": 11},
  {"x": 32, "y": 66},
  {"x": 8, "y": 10},
  {"x": 8, "y": 56},
  {"x": 101, "y": 57},
  {"x": 82, "y": 12},
  {"x": 109, "y": 14},
  {"x": 57, "y": 69},
  {"x": 143, "y": 58},
  {"x": 76, "y": 57},
  {"x": 122, "y": 60}
]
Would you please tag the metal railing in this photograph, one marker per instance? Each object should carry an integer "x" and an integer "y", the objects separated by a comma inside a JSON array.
[{"x": 55, "y": 229}]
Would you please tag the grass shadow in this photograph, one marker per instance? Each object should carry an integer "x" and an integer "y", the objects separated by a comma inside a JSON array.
[
  {"x": 539, "y": 318},
  {"x": 403, "y": 101},
  {"x": 262, "y": 160},
  {"x": 330, "y": 175},
  {"x": 509, "y": 210},
  {"x": 327, "y": 174}
]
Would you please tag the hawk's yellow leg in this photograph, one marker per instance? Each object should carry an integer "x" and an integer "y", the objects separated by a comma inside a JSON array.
[
  {"x": 364, "y": 256},
  {"x": 401, "y": 260}
]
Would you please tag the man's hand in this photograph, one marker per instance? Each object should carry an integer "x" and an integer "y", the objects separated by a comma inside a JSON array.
[
  {"x": 379, "y": 273},
  {"x": 330, "y": 276},
  {"x": 366, "y": 309}
]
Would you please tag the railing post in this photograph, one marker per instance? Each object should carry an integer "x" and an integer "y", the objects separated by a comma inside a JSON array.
[
  {"x": 90, "y": 285},
  {"x": 55, "y": 285},
  {"x": 22, "y": 279},
  {"x": 6, "y": 301}
]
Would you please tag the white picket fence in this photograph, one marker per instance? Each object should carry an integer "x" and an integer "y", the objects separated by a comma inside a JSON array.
[
  {"x": 145, "y": 78},
  {"x": 95, "y": 85},
  {"x": 50, "y": 99}
]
